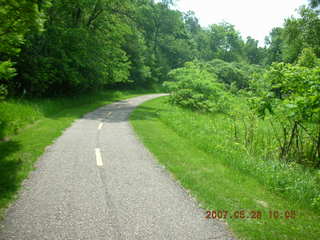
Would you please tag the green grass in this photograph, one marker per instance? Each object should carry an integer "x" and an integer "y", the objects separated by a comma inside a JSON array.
[
  {"x": 28, "y": 126},
  {"x": 197, "y": 149}
]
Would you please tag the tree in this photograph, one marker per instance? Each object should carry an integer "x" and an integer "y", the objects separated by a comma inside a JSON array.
[
  {"x": 253, "y": 52},
  {"x": 225, "y": 42},
  {"x": 17, "y": 19},
  {"x": 82, "y": 48},
  {"x": 137, "y": 52},
  {"x": 300, "y": 33},
  {"x": 314, "y": 3},
  {"x": 166, "y": 38},
  {"x": 274, "y": 45},
  {"x": 192, "y": 23}
]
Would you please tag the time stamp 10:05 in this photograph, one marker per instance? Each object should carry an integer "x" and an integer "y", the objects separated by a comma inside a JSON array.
[{"x": 252, "y": 214}]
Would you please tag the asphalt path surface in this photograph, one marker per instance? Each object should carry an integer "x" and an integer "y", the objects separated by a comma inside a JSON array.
[{"x": 97, "y": 181}]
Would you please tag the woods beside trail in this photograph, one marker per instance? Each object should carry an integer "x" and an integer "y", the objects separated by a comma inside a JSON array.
[
  {"x": 53, "y": 48},
  {"x": 262, "y": 103}
]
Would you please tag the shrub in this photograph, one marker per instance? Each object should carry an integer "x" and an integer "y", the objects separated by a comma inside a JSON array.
[
  {"x": 6, "y": 72},
  {"x": 308, "y": 58},
  {"x": 196, "y": 88},
  {"x": 236, "y": 74},
  {"x": 291, "y": 93}
]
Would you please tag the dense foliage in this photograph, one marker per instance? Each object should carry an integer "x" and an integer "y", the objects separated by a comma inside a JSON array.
[
  {"x": 80, "y": 49},
  {"x": 271, "y": 126},
  {"x": 196, "y": 88},
  {"x": 285, "y": 44},
  {"x": 291, "y": 94},
  {"x": 234, "y": 74},
  {"x": 283, "y": 95},
  {"x": 17, "y": 18},
  {"x": 60, "y": 47}
]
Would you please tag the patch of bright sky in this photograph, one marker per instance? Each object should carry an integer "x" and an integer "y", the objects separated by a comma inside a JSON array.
[{"x": 254, "y": 18}]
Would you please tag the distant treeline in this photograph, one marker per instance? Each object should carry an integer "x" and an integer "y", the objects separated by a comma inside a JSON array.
[{"x": 51, "y": 47}]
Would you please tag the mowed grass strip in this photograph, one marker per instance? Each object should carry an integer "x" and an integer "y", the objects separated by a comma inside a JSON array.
[
  {"x": 216, "y": 185},
  {"x": 29, "y": 126}
]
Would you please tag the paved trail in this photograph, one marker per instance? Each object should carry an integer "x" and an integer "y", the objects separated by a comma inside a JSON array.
[{"x": 97, "y": 181}]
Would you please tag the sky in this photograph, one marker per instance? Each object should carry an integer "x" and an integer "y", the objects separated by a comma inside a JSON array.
[{"x": 254, "y": 18}]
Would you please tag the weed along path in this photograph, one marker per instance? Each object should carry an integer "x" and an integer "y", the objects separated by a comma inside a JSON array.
[{"x": 97, "y": 181}]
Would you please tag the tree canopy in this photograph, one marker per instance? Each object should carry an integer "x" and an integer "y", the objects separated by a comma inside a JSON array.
[{"x": 53, "y": 47}]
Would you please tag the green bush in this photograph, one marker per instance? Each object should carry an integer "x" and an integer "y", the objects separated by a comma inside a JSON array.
[
  {"x": 233, "y": 74},
  {"x": 291, "y": 94},
  {"x": 6, "y": 72},
  {"x": 194, "y": 87},
  {"x": 308, "y": 58}
]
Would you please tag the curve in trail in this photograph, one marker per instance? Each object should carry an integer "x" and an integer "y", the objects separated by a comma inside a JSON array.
[{"x": 97, "y": 181}]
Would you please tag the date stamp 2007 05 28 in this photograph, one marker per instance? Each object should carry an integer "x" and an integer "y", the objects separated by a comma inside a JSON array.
[{"x": 251, "y": 214}]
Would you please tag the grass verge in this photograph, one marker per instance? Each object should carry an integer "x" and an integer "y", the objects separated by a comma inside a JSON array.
[
  {"x": 179, "y": 139},
  {"x": 28, "y": 126}
]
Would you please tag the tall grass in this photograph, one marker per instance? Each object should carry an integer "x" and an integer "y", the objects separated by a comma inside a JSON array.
[
  {"x": 223, "y": 175},
  {"x": 246, "y": 143}
]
